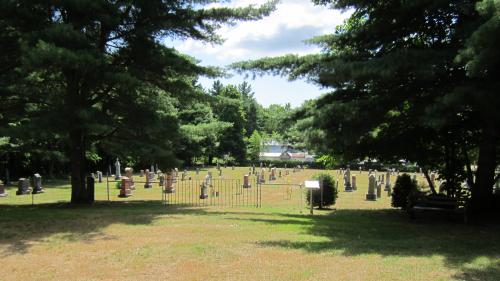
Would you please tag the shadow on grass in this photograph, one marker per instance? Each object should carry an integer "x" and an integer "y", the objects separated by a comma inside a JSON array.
[
  {"x": 391, "y": 233},
  {"x": 22, "y": 226}
]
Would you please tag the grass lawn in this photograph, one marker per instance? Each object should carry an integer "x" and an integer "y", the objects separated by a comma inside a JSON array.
[{"x": 140, "y": 239}]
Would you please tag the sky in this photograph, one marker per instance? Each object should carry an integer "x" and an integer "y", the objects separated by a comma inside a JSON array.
[{"x": 283, "y": 32}]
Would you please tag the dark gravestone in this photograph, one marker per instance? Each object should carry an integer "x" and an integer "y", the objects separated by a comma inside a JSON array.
[
  {"x": 37, "y": 184},
  {"x": 2, "y": 190},
  {"x": 23, "y": 186}
]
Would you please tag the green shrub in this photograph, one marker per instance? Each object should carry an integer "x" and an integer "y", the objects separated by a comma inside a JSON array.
[
  {"x": 403, "y": 188},
  {"x": 330, "y": 192}
]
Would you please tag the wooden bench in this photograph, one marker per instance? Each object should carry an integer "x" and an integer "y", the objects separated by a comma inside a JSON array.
[{"x": 439, "y": 204}]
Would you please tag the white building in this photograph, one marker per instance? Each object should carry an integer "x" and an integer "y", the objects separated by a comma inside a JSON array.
[{"x": 275, "y": 151}]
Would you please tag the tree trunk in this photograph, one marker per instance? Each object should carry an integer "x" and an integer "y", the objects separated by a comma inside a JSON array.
[
  {"x": 428, "y": 178},
  {"x": 78, "y": 166},
  {"x": 482, "y": 190}
]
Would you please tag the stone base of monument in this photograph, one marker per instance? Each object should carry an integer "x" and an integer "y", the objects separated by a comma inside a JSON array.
[
  {"x": 36, "y": 191},
  {"x": 371, "y": 197},
  {"x": 148, "y": 185},
  {"x": 24, "y": 192},
  {"x": 204, "y": 196},
  {"x": 125, "y": 193},
  {"x": 348, "y": 188},
  {"x": 169, "y": 190},
  {"x": 387, "y": 188},
  {"x": 247, "y": 186}
]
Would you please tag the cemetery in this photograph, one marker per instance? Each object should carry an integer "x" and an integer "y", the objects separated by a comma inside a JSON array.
[{"x": 249, "y": 140}]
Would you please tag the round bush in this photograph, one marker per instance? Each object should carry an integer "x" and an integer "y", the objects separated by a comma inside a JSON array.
[
  {"x": 330, "y": 192},
  {"x": 403, "y": 187}
]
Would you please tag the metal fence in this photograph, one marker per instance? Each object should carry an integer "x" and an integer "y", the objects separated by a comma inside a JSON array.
[{"x": 220, "y": 193}]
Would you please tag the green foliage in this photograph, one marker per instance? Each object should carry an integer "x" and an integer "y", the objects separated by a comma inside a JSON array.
[
  {"x": 254, "y": 147},
  {"x": 93, "y": 76},
  {"x": 328, "y": 161},
  {"x": 411, "y": 79},
  {"x": 330, "y": 192},
  {"x": 403, "y": 188}
]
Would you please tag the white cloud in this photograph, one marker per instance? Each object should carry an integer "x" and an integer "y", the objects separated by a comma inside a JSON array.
[{"x": 280, "y": 33}]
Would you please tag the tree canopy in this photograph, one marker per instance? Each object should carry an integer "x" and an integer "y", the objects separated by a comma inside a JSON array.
[{"x": 412, "y": 79}]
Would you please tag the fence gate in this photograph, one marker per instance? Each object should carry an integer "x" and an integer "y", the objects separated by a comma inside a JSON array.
[{"x": 220, "y": 192}]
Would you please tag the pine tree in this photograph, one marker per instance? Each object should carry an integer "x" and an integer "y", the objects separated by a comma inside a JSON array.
[{"x": 96, "y": 72}]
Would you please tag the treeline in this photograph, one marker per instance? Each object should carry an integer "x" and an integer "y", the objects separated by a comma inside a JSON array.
[{"x": 224, "y": 124}]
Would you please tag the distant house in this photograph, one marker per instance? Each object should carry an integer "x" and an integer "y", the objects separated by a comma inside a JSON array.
[{"x": 275, "y": 151}]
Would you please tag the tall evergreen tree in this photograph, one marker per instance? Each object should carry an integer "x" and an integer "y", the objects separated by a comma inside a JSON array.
[
  {"x": 93, "y": 70},
  {"x": 401, "y": 91}
]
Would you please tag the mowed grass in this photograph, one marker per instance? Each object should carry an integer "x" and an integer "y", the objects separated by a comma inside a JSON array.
[{"x": 138, "y": 238}]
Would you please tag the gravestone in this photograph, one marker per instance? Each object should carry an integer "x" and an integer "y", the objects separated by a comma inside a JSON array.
[
  {"x": 353, "y": 183},
  {"x": 279, "y": 173},
  {"x": 246, "y": 182},
  {"x": 23, "y": 186},
  {"x": 141, "y": 173},
  {"x": 169, "y": 184},
  {"x": 387, "y": 181},
  {"x": 149, "y": 179},
  {"x": 99, "y": 176},
  {"x": 3, "y": 193},
  {"x": 253, "y": 169},
  {"x": 225, "y": 165},
  {"x": 273, "y": 174},
  {"x": 7, "y": 177},
  {"x": 125, "y": 190},
  {"x": 232, "y": 168},
  {"x": 262, "y": 176},
  {"x": 371, "y": 188},
  {"x": 152, "y": 170},
  {"x": 379, "y": 190},
  {"x": 383, "y": 179},
  {"x": 197, "y": 171},
  {"x": 118, "y": 173},
  {"x": 161, "y": 180},
  {"x": 360, "y": 171},
  {"x": 129, "y": 173},
  {"x": 184, "y": 175},
  {"x": 347, "y": 180},
  {"x": 176, "y": 173},
  {"x": 204, "y": 187},
  {"x": 37, "y": 184},
  {"x": 218, "y": 166},
  {"x": 220, "y": 172}
]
